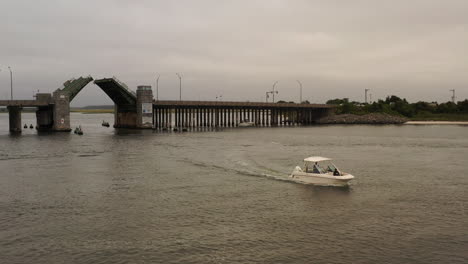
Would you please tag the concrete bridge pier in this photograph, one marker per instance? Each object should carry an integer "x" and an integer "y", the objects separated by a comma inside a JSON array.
[
  {"x": 44, "y": 114},
  {"x": 144, "y": 96},
  {"x": 14, "y": 114},
  {"x": 61, "y": 111},
  {"x": 136, "y": 116},
  {"x": 124, "y": 116},
  {"x": 44, "y": 118}
]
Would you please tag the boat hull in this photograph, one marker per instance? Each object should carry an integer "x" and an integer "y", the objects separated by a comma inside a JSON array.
[
  {"x": 246, "y": 124},
  {"x": 321, "y": 179}
]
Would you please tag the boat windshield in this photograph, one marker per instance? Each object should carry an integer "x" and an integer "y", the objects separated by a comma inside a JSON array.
[
  {"x": 314, "y": 168},
  {"x": 320, "y": 168},
  {"x": 331, "y": 168}
]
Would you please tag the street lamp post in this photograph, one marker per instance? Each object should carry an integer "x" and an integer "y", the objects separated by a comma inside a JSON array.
[
  {"x": 157, "y": 87},
  {"x": 11, "y": 83},
  {"x": 300, "y": 91},
  {"x": 180, "y": 86},
  {"x": 273, "y": 91}
]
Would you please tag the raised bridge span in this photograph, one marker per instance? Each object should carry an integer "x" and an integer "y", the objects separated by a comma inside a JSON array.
[{"x": 140, "y": 110}]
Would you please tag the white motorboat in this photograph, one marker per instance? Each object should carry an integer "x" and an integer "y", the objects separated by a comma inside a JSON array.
[
  {"x": 320, "y": 171},
  {"x": 78, "y": 130},
  {"x": 246, "y": 123}
]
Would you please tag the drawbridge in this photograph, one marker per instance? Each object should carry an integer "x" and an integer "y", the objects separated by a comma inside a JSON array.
[
  {"x": 73, "y": 86},
  {"x": 119, "y": 93}
]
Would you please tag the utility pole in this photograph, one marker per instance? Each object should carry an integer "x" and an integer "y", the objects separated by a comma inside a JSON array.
[
  {"x": 11, "y": 83},
  {"x": 300, "y": 93},
  {"x": 453, "y": 95},
  {"x": 157, "y": 87},
  {"x": 180, "y": 86},
  {"x": 365, "y": 95}
]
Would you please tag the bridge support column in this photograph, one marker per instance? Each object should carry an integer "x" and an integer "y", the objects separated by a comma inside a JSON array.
[
  {"x": 44, "y": 118},
  {"x": 61, "y": 111},
  {"x": 124, "y": 116},
  {"x": 44, "y": 114},
  {"x": 14, "y": 114},
  {"x": 145, "y": 107}
]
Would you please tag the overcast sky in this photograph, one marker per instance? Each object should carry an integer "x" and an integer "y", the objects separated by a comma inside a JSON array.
[{"x": 417, "y": 49}]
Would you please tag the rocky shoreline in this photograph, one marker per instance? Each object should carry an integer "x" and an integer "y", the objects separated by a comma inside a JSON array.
[{"x": 374, "y": 118}]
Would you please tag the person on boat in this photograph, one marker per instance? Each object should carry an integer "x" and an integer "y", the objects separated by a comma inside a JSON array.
[
  {"x": 317, "y": 168},
  {"x": 336, "y": 172}
]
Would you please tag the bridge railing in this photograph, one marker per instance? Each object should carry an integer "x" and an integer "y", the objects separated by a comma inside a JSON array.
[
  {"x": 71, "y": 81},
  {"x": 124, "y": 85},
  {"x": 66, "y": 82}
]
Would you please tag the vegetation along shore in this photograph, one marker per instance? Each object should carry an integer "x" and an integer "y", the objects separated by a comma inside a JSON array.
[{"x": 395, "y": 110}]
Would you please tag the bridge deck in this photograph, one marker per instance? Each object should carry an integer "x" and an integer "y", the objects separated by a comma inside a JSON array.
[
  {"x": 191, "y": 114},
  {"x": 119, "y": 93},
  {"x": 23, "y": 103},
  {"x": 230, "y": 104}
]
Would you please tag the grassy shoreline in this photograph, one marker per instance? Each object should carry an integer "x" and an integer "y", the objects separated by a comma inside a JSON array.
[{"x": 440, "y": 117}]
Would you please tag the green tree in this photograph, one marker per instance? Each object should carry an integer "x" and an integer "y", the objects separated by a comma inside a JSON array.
[
  {"x": 463, "y": 106},
  {"x": 338, "y": 101}
]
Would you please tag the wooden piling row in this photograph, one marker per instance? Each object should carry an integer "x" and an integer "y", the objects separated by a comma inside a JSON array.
[{"x": 168, "y": 117}]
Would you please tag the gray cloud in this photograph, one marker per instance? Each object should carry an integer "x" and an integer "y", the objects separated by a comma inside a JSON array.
[{"x": 415, "y": 49}]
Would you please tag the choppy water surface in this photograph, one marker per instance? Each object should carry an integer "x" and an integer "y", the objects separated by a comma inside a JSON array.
[{"x": 224, "y": 197}]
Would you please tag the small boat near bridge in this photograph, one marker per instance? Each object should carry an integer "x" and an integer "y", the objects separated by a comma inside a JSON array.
[{"x": 320, "y": 171}]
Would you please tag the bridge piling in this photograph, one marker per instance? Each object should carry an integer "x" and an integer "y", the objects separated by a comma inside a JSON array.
[
  {"x": 195, "y": 114},
  {"x": 179, "y": 117},
  {"x": 14, "y": 114}
]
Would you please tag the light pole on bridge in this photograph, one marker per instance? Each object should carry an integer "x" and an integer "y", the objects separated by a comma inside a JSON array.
[
  {"x": 157, "y": 87},
  {"x": 180, "y": 86},
  {"x": 300, "y": 91},
  {"x": 273, "y": 91},
  {"x": 11, "y": 83}
]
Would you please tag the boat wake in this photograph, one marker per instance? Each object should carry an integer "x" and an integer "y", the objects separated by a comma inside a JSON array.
[{"x": 245, "y": 169}]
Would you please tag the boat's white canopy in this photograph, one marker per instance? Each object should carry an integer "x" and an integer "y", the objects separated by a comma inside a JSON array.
[{"x": 315, "y": 159}]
